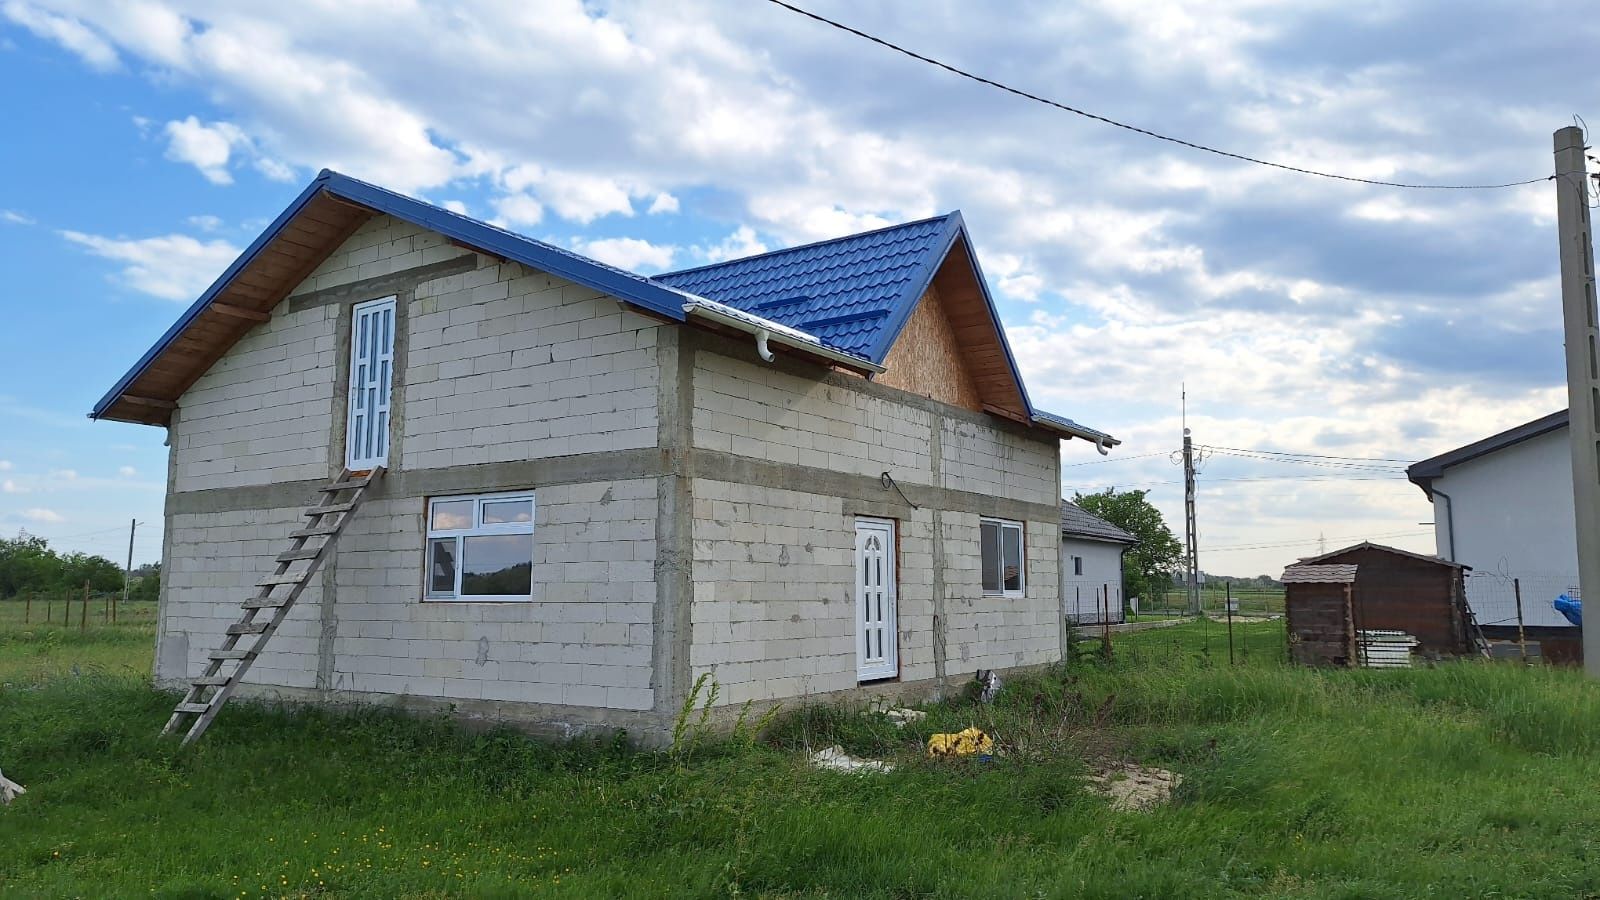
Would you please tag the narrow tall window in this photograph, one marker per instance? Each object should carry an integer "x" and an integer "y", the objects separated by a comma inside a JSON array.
[
  {"x": 1077, "y": 565},
  {"x": 1002, "y": 559},
  {"x": 371, "y": 372},
  {"x": 480, "y": 547}
]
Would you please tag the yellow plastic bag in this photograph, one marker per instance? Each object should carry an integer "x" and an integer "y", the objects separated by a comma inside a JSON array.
[{"x": 970, "y": 742}]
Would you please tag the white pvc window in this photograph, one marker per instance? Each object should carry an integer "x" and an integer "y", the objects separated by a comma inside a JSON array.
[
  {"x": 371, "y": 374},
  {"x": 480, "y": 547},
  {"x": 1001, "y": 552}
]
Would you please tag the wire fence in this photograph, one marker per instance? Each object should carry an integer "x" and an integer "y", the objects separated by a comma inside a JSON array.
[
  {"x": 1528, "y": 600},
  {"x": 68, "y": 608},
  {"x": 1246, "y": 641}
]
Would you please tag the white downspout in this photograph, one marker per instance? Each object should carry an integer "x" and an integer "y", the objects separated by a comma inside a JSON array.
[{"x": 761, "y": 346}]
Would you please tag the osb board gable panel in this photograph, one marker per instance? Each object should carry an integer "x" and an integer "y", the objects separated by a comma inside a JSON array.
[{"x": 926, "y": 359}]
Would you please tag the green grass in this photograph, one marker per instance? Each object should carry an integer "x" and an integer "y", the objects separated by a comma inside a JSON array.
[
  {"x": 1465, "y": 780},
  {"x": 36, "y": 644}
]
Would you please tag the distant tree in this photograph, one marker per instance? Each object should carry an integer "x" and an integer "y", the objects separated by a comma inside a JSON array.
[
  {"x": 102, "y": 574},
  {"x": 146, "y": 583},
  {"x": 1147, "y": 564},
  {"x": 27, "y": 564}
]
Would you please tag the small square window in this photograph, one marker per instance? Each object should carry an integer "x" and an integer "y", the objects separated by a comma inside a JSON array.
[
  {"x": 480, "y": 547},
  {"x": 1002, "y": 557}
]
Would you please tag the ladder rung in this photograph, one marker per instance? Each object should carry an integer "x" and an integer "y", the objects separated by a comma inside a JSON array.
[
  {"x": 317, "y": 531},
  {"x": 264, "y": 603},
  {"x": 345, "y": 485},
  {"x": 248, "y": 628},
  {"x": 231, "y": 654},
  {"x": 192, "y": 708},
  {"x": 285, "y": 578},
  {"x": 302, "y": 553},
  {"x": 330, "y": 509},
  {"x": 210, "y": 681}
]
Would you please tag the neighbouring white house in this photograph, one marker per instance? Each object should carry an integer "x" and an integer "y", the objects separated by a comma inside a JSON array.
[
  {"x": 807, "y": 473},
  {"x": 1091, "y": 567},
  {"x": 1503, "y": 505}
]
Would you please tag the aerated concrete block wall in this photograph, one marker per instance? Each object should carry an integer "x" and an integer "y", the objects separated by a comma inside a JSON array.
[
  {"x": 506, "y": 378},
  {"x": 773, "y": 608}
]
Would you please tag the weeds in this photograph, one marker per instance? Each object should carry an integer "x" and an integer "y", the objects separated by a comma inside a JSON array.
[{"x": 1462, "y": 780}]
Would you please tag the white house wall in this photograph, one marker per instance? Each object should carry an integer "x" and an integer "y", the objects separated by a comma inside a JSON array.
[
  {"x": 1512, "y": 517},
  {"x": 1081, "y": 595}
]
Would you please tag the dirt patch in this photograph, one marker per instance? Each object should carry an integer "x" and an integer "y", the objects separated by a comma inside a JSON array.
[{"x": 1131, "y": 787}]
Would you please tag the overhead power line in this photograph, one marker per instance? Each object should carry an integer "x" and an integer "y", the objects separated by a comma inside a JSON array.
[
  {"x": 1134, "y": 128},
  {"x": 1280, "y": 544},
  {"x": 1101, "y": 462},
  {"x": 1371, "y": 459}
]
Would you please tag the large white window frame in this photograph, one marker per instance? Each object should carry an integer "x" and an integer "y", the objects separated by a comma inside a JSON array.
[
  {"x": 993, "y": 535},
  {"x": 480, "y": 507}
]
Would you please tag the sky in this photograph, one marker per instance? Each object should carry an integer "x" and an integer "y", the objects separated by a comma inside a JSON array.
[{"x": 148, "y": 141}]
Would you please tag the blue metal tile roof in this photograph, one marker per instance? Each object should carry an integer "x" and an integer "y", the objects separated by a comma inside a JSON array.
[{"x": 852, "y": 292}]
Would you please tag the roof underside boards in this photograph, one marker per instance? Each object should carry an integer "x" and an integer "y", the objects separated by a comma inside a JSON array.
[
  {"x": 1080, "y": 523},
  {"x": 1422, "y": 473},
  {"x": 1332, "y": 574},
  {"x": 844, "y": 291},
  {"x": 327, "y": 212}
]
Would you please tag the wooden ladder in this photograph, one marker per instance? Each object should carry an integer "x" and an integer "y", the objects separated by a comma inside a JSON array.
[{"x": 309, "y": 546}]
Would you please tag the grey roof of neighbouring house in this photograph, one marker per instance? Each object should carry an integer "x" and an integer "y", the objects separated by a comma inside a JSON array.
[
  {"x": 1423, "y": 473},
  {"x": 1332, "y": 574},
  {"x": 1078, "y": 522}
]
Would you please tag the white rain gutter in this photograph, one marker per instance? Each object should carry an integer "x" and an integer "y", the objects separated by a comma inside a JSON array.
[
  {"x": 767, "y": 332},
  {"x": 1101, "y": 442}
]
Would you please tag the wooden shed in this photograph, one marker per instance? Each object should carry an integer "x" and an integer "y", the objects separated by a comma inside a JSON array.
[
  {"x": 1320, "y": 611},
  {"x": 1397, "y": 590}
]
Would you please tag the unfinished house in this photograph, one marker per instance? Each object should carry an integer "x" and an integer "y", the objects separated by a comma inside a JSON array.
[{"x": 555, "y": 493}]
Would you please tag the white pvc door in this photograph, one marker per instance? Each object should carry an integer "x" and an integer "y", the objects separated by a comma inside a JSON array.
[
  {"x": 371, "y": 371},
  {"x": 876, "y": 656}
]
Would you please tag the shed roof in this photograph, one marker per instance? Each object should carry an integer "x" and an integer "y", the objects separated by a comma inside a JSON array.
[
  {"x": 1368, "y": 545},
  {"x": 1423, "y": 473},
  {"x": 1078, "y": 522},
  {"x": 1329, "y": 574},
  {"x": 846, "y": 299}
]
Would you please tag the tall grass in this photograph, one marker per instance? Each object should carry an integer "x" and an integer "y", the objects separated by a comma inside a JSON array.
[{"x": 1462, "y": 780}]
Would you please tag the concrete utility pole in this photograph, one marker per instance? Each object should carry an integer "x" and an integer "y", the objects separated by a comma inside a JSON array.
[
  {"x": 127, "y": 572},
  {"x": 1581, "y": 326},
  {"x": 1191, "y": 579}
]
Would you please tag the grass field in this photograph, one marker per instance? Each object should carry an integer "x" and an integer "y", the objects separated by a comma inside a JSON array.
[{"x": 1466, "y": 780}]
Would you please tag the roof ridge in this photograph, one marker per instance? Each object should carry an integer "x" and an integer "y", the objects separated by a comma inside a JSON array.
[{"x": 807, "y": 246}]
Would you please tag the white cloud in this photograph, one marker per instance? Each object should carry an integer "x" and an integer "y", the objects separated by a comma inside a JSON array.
[
  {"x": 64, "y": 30},
  {"x": 206, "y": 147},
  {"x": 11, "y": 487},
  {"x": 205, "y": 223},
  {"x": 42, "y": 515},
  {"x": 5, "y": 465},
  {"x": 663, "y": 203},
  {"x": 64, "y": 474},
  {"x": 275, "y": 170},
  {"x": 12, "y": 217},
  {"x": 513, "y": 210},
  {"x": 455, "y": 206},
  {"x": 172, "y": 267},
  {"x": 742, "y": 242},
  {"x": 127, "y": 471},
  {"x": 632, "y": 254}
]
